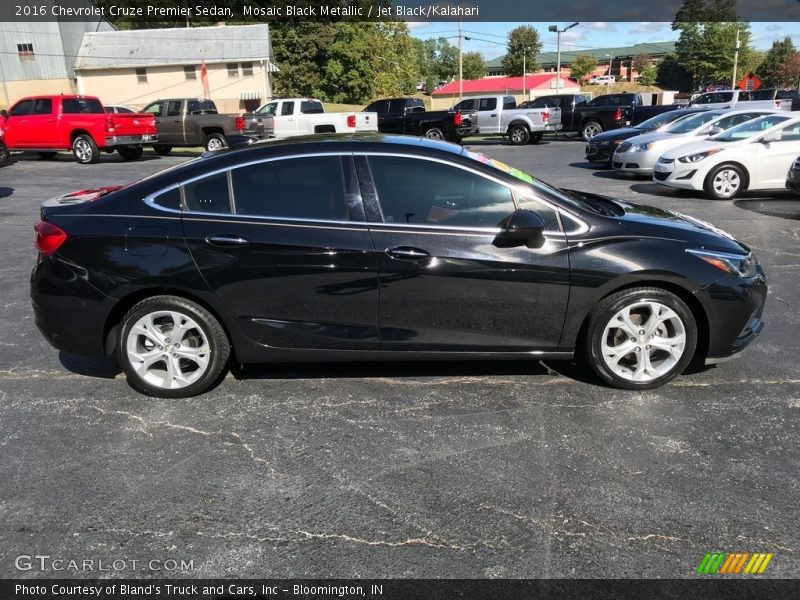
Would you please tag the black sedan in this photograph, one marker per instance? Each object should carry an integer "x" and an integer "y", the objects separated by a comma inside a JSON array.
[
  {"x": 793, "y": 178},
  {"x": 379, "y": 247},
  {"x": 601, "y": 147}
]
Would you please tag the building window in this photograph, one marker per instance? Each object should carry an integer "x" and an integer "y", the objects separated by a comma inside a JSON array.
[
  {"x": 141, "y": 75},
  {"x": 25, "y": 51},
  {"x": 247, "y": 69},
  {"x": 233, "y": 70},
  {"x": 190, "y": 72}
]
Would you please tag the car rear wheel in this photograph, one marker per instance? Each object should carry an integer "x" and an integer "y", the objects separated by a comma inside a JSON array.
[
  {"x": 162, "y": 150},
  {"x": 434, "y": 133},
  {"x": 724, "y": 182},
  {"x": 640, "y": 338},
  {"x": 215, "y": 141},
  {"x": 518, "y": 135},
  {"x": 130, "y": 152},
  {"x": 85, "y": 150},
  {"x": 47, "y": 155},
  {"x": 591, "y": 129},
  {"x": 171, "y": 347}
]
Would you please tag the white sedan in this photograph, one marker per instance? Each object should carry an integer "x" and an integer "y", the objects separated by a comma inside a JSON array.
[
  {"x": 752, "y": 156},
  {"x": 639, "y": 154}
]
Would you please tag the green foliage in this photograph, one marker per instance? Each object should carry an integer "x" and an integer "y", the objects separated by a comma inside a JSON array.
[
  {"x": 769, "y": 68},
  {"x": 648, "y": 75},
  {"x": 436, "y": 58},
  {"x": 582, "y": 66},
  {"x": 707, "y": 42},
  {"x": 522, "y": 42},
  {"x": 640, "y": 62},
  {"x": 473, "y": 65},
  {"x": 789, "y": 72},
  {"x": 671, "y": 75}
]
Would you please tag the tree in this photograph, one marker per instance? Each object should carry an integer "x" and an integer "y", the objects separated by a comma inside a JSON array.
[
  {"x": 640, "y": 62},
  {"x": 394, "y": 65},
  {"x": 789, "y": 72},
  {"x": 672, "y": 75},
  {"x": 473, "y": 65},
  {"x": 648, "y": 75},
  {"x": 582, "y": 66},
  {"x": 523, "y": 46},
  {"x": 773, "y": 59}
]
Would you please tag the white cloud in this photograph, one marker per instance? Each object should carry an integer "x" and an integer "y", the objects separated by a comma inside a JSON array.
[
  {"x": 601, "y": 26},
  {"x": 649, "y": 27},
  {"x": 417, "y": 24}
]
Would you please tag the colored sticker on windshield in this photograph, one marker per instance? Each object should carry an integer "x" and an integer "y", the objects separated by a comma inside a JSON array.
[{"x": 501, "y": 166}]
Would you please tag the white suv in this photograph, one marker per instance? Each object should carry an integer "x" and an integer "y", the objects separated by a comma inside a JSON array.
[{"x": 602, "y": 79}]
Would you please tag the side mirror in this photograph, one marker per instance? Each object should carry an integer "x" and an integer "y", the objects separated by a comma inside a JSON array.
[
  {"x": 775, "y": 136},
  {"x": 714, "y": 130},
  {"x": 521, "y": 228},
  {"x": 3, "y": 113}
]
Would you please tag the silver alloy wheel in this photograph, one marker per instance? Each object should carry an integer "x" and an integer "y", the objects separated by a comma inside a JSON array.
[
  {"x": 168, "y": 349},
  {"x": 726, "y": 182},
  {"x": 518, "y": 135},
  {"x": 591, "y": 130},
  {"x": 82, "y": 149},
  {"x": 215, "y": 143},
  {"x": 643, "y": 341}
]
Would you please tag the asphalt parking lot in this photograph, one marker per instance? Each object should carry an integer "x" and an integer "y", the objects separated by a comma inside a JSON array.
[{"x": 409, "y": 470}]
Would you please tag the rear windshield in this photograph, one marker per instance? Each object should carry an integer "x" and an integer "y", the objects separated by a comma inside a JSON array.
[
  {"x": 654, "y": 123},
  {"x": 72, "y": 106},
  {"x": 693, "y": 122}
]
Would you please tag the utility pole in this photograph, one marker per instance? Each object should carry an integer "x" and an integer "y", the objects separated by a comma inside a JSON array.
[
  {"x": 524, "y": 56},
  {"x": 460, "y": 66},
  {"x": 558, "y": 52},
  {"x": 735, "y": 60}
]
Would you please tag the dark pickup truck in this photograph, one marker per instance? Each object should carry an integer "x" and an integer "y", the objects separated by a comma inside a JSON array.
[
  {"x": 408, "y": 116},
  {"x": 609, "y": 111},
  {"x": 195, "y": 122}
]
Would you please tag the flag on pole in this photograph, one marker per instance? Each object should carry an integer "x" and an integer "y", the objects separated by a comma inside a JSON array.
[{"x": 204, "y": 79}]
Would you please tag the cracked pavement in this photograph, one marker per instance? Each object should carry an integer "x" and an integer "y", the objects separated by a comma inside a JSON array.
[{"x": 486, "y": 469}]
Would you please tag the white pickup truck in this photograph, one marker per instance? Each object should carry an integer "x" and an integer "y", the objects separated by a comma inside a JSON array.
[
  {"x": 500, "y": 115},
  {"x": 288, "y": 117}
]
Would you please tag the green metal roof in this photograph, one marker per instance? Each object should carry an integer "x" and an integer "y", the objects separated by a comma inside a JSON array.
[{"x": 549, "y": 59}]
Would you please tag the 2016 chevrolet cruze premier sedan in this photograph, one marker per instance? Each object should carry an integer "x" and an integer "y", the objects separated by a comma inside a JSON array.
[{"x": 376, "y": 247}]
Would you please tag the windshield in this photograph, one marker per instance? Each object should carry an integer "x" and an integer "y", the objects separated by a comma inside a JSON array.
[
  {"x": 654, "y": 123},
  {"x": 543, "y": 190},
  {"x": 750, "y": 128},
  {"x": 691, "y": 123}
]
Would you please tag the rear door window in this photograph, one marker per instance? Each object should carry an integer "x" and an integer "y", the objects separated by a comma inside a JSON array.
[{"x": 209, "y": 195}]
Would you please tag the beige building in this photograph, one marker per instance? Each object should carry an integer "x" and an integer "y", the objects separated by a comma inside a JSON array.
[{"x": 138, "y": 66}]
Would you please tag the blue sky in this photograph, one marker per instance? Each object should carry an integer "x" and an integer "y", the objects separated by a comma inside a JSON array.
[{"x": 490, "y": 38}]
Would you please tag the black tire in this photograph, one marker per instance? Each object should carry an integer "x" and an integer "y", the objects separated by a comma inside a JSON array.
[
  {"x": 5, "y": 155},
  {"x": 518, "y": 135},
  {"x": 215, "y": 141},
  {"x": 162, "y": 150},
  {"x": 434, "y": 133},
  {"x": 590, "y": 129},
  {"x": 607, "y": 309},
  {"x": 130, "y": 152},
  {"x": 718, "y": 190},
  {"x": 47, "y": 155},
  {"x": 536, "y": 137},
  {"x": 85, "y": 150},
  {"x": 208, "y": 327}
]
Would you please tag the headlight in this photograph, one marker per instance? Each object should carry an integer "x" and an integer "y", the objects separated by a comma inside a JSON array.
[
  {"x": 693, "y": 158},
  {"x": 743, "y": 265},
  {"x": 642, "y": 147}
]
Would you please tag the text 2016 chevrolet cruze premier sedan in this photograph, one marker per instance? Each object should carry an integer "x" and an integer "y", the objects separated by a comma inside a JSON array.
[{"x": 377, "y": 247}]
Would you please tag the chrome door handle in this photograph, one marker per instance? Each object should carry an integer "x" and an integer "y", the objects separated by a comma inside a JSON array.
[
  {"x": 407, "y": 253},
  {"x": 226, "y": 240}
]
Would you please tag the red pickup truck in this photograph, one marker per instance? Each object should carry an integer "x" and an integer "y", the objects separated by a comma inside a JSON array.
[{"x": 47, "y": 124}]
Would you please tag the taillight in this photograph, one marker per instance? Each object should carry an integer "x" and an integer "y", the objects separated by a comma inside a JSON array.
[
  {"x": 49, "y": 238},
  {"x": 110, "y": 125},
  {"x": 457, "y": 118},
  {"x": 351, "y": 121},
  {"x": 545, "y": 116},
  {"x": 239, "y": 123},
  {"x": 618, "y": 115}
]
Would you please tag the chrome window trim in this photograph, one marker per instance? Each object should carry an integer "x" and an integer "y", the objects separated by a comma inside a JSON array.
[{"x": 149, "y": 200}]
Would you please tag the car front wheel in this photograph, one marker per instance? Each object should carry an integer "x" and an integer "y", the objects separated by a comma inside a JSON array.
[
  {"x": 724, "y": 182},
  {"x": 640, "y": 338},
  {"x": 171, "y": 347}
]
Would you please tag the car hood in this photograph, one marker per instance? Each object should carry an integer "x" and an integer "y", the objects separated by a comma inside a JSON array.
[
  {"x": 696, "y": 146},
  {"x": 651, "y": 221},
  {"x": 655, "y": 136},
  {"x": 617, "y": 134}
]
